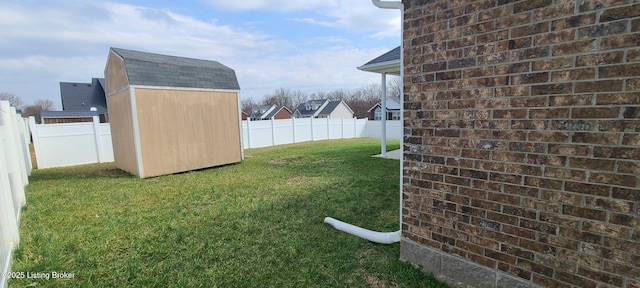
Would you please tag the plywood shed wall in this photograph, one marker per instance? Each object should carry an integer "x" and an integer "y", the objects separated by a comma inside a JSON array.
[{"x": 171, "y": 114}]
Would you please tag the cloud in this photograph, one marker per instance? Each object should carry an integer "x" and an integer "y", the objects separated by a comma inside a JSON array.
[
  {"x": 271, "y": 5},
  {"x": 45, "y": 43},
  {"x": 309, "y": 71},
  {"x": 68, "y": 41},
  {"x": 352, "y": 15}
]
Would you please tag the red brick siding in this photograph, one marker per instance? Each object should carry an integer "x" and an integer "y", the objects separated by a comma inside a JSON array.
[
  {"x": 528, "y": 116},
  {"x": 282, "y": 114}
]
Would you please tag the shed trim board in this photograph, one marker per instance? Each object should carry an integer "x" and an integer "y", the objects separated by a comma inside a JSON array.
[
  {"x": 186, "y": 89},
  {"x": 136, "y": 131},
  {"x": 123, "y": 88},
  {"x": 240, "y": 126},
  {"x": 173, "y": 88}
]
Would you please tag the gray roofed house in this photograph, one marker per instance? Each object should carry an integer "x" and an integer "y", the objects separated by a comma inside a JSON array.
[
  {"x": 323, "y": 108},
  {"x": 83, "y": 96},
  {"x": 393, "y": 109},
  {"x": 267, "y": 112},
  {"x": 158, "y": 70},
  {"x": 386, "y": 63}
]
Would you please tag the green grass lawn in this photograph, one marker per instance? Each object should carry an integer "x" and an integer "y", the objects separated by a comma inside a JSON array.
[{"x": 258, "y": 223}]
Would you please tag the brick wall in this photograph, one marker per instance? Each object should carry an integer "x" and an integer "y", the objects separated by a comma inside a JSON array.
[{"x": 522, "y": 141}]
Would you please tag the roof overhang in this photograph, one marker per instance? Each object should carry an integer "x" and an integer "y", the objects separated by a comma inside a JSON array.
[{"x": 390, "y": 67}]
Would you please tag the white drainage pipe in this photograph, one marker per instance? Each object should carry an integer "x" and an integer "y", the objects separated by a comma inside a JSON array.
[{"x": 373, "y": 236}]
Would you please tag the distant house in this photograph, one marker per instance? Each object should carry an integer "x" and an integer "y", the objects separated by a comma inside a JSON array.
[
  {"x": 81, "y": 97},
  {"x": 245, "y": 116},
  {"x": 392, "y": 111},
  {"x": 268, "y": 112},
  {"x": 323, "y": 108}
]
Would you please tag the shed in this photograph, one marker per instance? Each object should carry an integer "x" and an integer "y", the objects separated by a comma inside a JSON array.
[{"x": 171, "y": 114}]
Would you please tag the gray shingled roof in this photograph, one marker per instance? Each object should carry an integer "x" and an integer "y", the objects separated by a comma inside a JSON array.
[
  {"x": 83, "y": 96},
  {"x": 150, "y": 69},
  {"x": 329, "y": 108},
  {"x": 393, "y": 103},
  {"x": 386, "y": 63},
  {"x": 302, "y": 109},
  {"x": 275, "y": 111},
  {"x": 393, "y": 55},
  {"x": 259, "y": 112}
]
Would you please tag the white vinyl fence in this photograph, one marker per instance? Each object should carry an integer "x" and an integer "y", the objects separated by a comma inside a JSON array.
[
  {"x": 256, "y": 134},
  {"x": 15, "y": 167},
  {"x": 70, "y": 144}
]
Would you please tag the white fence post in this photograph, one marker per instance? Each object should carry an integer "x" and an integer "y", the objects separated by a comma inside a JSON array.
[
  {"x": 9, "y": 234},
  {"x": 312, "y": 134},
  {"x": 273, "y": 133},
  {"x": 36, "y": 142},
  {"x": 248, "y": 132},
  {"x": 19, "y": 147},
  {"x": 328, "y": 128},
  {"x": 96, "y": 131},
  {"x": 23, "y": 128},
  {"x": 293, "y": 123}
]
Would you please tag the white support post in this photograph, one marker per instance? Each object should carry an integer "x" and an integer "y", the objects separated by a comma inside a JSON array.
[{"x": 383, "y": 110}]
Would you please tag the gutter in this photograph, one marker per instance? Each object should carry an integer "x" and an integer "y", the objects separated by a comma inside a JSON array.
[{"x": 374, "y": 236}]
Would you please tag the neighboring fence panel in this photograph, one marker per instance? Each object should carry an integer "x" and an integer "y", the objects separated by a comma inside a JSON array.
[
  {"x": 13, "y": 178},
  {"x": 286, "y": 131},
  {"x": 70, "y": 144},
  {"x": 394, "y": 129}
]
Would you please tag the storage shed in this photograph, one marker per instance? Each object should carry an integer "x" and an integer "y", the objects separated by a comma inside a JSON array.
[{"x": 171, "y": 114}]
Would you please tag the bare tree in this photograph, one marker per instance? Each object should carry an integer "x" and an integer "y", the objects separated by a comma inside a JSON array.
[
  {"x": 247, "y": 104},
  {"x": 362, "y": 99},
  {"x": 338, "y": 95},
  {"x": 37, "y": 107},
  {"x": 14, "y": 100},
  {"x": 285, "y": 97},
  {"x": 394, "y": 86}
]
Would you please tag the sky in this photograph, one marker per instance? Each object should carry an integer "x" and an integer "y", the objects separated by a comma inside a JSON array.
[{"x": 307, "y": 45}]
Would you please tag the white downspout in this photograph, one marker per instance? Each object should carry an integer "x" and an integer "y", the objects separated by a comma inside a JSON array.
[{"x": 373, "y": 236}]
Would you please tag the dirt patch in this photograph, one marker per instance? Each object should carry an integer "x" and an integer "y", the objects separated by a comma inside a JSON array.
[
  {"x": 302, "y": 180},
  {"x": 374, "y": 281},
  {"x": 296, "y": 160},
  {"x": 109, "y": 173}
]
